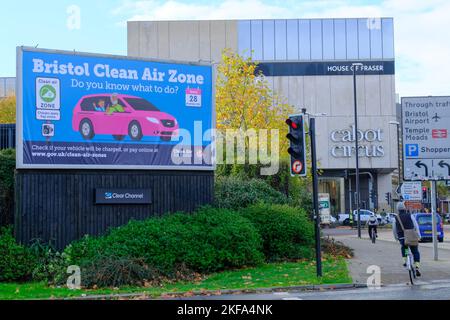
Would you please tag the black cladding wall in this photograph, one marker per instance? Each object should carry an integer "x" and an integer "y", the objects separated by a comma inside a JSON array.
[{"x": 59, "y": 206}]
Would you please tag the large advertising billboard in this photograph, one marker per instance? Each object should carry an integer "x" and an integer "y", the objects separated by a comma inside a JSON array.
[{"x": 79, "y": 110}]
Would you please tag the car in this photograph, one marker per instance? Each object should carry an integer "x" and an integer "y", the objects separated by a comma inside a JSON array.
[
  {"x": 138, "y": 118},
  {"x": 364, "y": 215},
  {"x": 390, "y": 217},
  {"x": 447, "y": 218},
  {"x": 425, "y": 226}
]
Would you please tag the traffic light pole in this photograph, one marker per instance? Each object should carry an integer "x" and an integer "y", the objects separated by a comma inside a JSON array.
[
  {"x": 434, "y": 220},
  {"x": 312, "y": 134}
]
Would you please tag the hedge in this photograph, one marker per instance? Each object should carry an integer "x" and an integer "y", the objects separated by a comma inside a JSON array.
[
  {"x": 296, "y": 190},
  {"x": 7, "y": 167},
  {"x": 235, "y": 193},
  {"x": 287, "y": 232},
  {"x": 16, "y": 261},
  {"x": 209, "y": 240}
]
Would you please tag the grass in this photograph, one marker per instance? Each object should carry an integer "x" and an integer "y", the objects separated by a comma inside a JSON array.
[{"x": 269, "y": 275}]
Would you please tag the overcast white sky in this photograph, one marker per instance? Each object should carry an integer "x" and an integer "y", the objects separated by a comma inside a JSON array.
[{"x": 422, "y": 28}]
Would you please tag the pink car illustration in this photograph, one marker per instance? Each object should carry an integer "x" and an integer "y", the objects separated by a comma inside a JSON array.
[{"x": 121, "y": 115}]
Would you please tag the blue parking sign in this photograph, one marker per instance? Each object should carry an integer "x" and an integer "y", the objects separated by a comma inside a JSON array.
[{"x": 412, "y": 150}]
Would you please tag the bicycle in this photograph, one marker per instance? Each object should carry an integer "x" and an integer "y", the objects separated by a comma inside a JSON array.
[
  {"x": 410, "y": 265},
  {"x": 373, "y": 235}
]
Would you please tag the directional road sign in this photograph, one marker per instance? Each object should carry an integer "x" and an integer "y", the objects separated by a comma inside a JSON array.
[
  {"x": 411, "y": 191},
  {"x": 426, "y": 140}
]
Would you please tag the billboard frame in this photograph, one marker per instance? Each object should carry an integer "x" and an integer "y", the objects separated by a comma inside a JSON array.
[{"x": 19, "y": 114}]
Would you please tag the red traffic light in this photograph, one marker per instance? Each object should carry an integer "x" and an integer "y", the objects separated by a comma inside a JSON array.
[{"x": 292, "y": 124}]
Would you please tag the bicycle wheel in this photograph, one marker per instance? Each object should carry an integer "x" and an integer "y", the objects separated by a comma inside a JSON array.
[
  {"x": 411, "y": 276},
  {"x": 411, "y": 270},
  {"x": 372, "y": 234}
]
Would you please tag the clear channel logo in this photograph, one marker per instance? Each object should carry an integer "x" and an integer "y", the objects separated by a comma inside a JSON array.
[{"x": 108, "y": 195}]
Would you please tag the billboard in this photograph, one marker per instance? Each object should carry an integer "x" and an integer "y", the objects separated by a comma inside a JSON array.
[
  {"x": 426, "y": 142},
  {"x": 87, "y": 111}
]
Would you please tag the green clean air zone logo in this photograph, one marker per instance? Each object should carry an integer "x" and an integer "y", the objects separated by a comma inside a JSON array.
[{"x": 47, "y": 93}]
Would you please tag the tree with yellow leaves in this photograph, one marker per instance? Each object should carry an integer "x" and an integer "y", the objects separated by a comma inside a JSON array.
[
  {"x": 245, "y": 101},
  {"x": 8, "y": 110}
]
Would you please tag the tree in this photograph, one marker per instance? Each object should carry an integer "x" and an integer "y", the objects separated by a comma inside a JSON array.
[
  {"x": 244, "y": 99},
  {"x": 8, "y": 110}
]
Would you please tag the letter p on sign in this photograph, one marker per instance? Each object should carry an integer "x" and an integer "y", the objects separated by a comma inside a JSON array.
[{"x": 412, "y": 150}]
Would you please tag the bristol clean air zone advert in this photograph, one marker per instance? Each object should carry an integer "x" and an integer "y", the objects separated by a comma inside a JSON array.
[
  {"x": 426, "y": 125},
  {"x": 77, "y": 110}
]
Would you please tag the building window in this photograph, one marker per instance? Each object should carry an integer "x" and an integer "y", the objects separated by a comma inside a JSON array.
[
  {"x": 376, "y": 45},
  {"x": 292, "y": 39},
  {"x": 304, "y": 36},
  {"x": 352, "y": 39},
  {"x": 280, "y": 40},
  {"x": 269, "y": 40},
  {"x": 363, "y": 39},
  {"x": 340, "y": 39},
  {"x": 257, "y": 40},
  {"x": 387, "y": 28},
  {"x": 316, "y": 40},
  {"x": 328, "y": 39},
  {"x": 244, "y": 38}
]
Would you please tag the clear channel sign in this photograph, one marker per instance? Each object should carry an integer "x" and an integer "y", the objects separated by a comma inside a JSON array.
[{"x": 426, "y": 141}]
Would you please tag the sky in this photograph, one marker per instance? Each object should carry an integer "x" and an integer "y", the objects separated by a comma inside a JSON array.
[{"x": 422, "y": 28}]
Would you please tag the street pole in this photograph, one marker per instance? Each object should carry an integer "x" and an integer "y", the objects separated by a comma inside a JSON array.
[
  {"x": 433, "y": 219},
  {"x": 399, "y": 132},
  {"x": 312, "y": 135},
  {"x": 357, "y": 193}
]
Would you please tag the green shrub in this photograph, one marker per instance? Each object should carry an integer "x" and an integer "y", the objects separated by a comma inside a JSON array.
[
  {"x": 287, "y": 232},
  {"x": 51, "y": 265},
  {"x": 16, "y": 261},
  {"x": 227, "y": 241},
  {"x": 234, "y": 193},
  {"x": 296, "y": 190},
  {"x": 7, "y": 167},
  {"x": 209, "y": 240}
]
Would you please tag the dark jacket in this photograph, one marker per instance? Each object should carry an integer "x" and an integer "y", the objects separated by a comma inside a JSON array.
[{"x": 408, "y": 223}]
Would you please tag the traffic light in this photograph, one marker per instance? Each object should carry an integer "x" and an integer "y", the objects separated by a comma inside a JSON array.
[
  {"x": 297, "y": 147},
  {"x": 388, "y": 197},
  {"x": 425, "y": 195},
  {"x": 373, "y": 195}
]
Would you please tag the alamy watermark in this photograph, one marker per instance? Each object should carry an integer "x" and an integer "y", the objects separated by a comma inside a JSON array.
[
  {"x": 374, "y": 280},
  {"x": 73, "y": 21},
  {"x": 230, "y": 146},
  {"x": 74, "y": 280}
]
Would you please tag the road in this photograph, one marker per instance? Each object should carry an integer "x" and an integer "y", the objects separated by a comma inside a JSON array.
[
  {"x": 433, "y": 290},
  {"x": 385, "y": 254}
]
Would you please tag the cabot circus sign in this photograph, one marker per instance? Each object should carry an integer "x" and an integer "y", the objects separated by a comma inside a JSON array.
[{"x": 369, "y": 143}]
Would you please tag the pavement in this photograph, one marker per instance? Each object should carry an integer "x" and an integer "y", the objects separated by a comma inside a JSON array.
[{"x": 386, "y": 254}]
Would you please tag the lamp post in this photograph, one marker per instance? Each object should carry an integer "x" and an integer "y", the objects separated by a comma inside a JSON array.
[
  {"x": 357, "y": 192},
  {"x": 399, "y": 150}
]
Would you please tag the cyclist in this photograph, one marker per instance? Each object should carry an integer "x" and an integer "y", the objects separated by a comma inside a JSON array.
[
  {"x": 372, "y": 224},
  {"x": 408, "y": 222}
]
